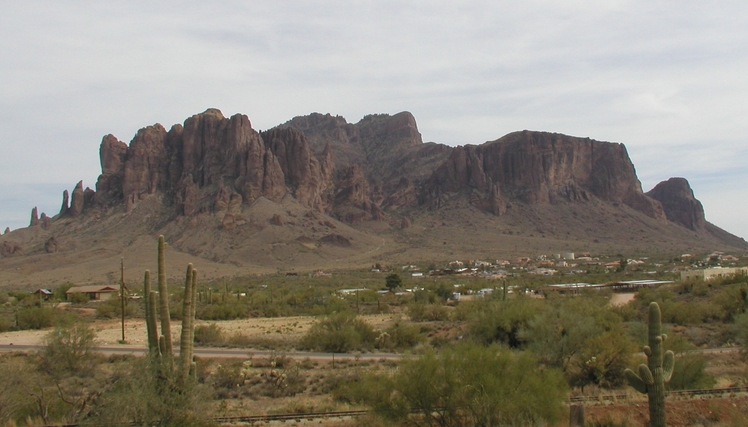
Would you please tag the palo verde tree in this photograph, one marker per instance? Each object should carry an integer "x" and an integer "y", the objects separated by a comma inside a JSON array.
[{"x": 393, "y": 281}]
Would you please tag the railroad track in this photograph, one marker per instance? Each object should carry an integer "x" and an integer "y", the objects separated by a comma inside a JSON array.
[
  {"x": 289, "y": 417},
  {"x": 674, "y": 393},
  {"x": 619, "y": 397}
]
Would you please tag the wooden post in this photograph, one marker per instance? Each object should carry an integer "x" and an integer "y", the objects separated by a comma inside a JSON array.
[
  {"x": 576, "y": 416},
  {"x": 122, "y": 295}
]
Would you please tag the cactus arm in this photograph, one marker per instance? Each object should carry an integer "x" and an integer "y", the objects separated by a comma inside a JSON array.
[
  {"x": 161, "y": 344},
  {"x": 150, "y": 314},
  {"x": 635, "y": 382},
  {"x": 192, "y": 317},
  {"x": 646, "y": 375},
  {"x": 667, "y": 365},
  {"x": 164, "y": 299}
]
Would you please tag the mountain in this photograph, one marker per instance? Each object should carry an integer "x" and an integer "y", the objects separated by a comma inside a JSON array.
[{"x": 319, "y": 192}]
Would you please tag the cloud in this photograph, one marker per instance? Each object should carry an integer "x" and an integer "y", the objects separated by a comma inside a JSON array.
[{"x": 665, "y": 78}]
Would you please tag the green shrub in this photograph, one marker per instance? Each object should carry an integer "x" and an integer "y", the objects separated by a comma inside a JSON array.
[
  {"x": 690, "y": 373},
  {"x": 112, "y": 309},
  {"x": 69, "y": 350},
  {"x": 340, "y": 333},
  {"x": 208, "y": 334},
  {"x": 466, "y": 385},
  {"x": 400, "y": 335},
  {"x": 228, "y": 311},
  {"x": 419, "y": 312}
]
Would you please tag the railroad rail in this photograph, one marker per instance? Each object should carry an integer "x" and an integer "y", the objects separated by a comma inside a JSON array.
[
  {"x": 674, "y": 393},
  {"x": 309, "y": 416}
]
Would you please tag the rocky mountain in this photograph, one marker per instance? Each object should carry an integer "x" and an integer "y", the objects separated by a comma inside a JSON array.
[{"x": 318, "y": 189}]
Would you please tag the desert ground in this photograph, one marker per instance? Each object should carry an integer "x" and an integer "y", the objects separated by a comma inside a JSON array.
[{"x": 109, "y": 332}]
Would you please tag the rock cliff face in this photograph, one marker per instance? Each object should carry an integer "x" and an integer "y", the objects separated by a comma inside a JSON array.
[
  {"x": 680, "y": 206},
  {"x": 209, "y": 161},
  {"x": 364, "y": 171},
  {"x": 540, "y": 168}
]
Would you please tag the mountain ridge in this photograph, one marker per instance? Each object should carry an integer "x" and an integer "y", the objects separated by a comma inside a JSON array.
[{"x": 317, "y": 189}]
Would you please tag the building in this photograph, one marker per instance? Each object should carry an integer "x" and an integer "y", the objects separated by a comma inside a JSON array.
[
  {"x": 712, "y": 273},
  {"x": 94, "y": 292}
]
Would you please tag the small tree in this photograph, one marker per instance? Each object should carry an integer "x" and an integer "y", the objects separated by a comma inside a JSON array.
[
  {"x": 466, "y": 385},
  {"x": 68, "y": 350},
  {"x": 393, "y": 281}
]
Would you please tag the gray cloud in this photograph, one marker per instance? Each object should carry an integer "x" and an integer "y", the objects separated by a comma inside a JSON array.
[{"x": 665, "y": 78}]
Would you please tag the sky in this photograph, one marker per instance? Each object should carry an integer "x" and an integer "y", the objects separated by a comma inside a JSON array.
[{"x": 669, "y": 79}]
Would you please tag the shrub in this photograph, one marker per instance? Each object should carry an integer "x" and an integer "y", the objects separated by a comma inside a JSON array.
[
  {"x": 466, "y": 385},
  {"x": 68, "y": 350},
  {"x": 208, "y": 335},
  {"x": 419, "y": 312},
  {"x": 112, "y": 309},
  {"x": 690, "y": 373},
  {"x": 228, "y": 311},
  {"x": 399, "y": 336},
  {"x": 340, "y": 333}
]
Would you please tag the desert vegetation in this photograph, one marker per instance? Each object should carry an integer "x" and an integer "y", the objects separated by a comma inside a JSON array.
[{"x": 503, "y": 358}]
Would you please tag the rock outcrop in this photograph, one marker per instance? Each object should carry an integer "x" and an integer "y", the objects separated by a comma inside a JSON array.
[
  {"x": 51, "y": 245},
  {"x": 540, "y": 168},
  {"x": 45, "y": 221},
  {"x": 8, "y": 248},
  {"x": 77, "y": 200},
  {"x": 362, "y": 172},
  {"x": 34, "y": 217},
  {"x": 679, "y": 203}
]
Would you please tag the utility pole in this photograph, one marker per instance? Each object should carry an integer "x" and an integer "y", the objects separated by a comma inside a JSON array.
[{"x": 122, "y": 295}]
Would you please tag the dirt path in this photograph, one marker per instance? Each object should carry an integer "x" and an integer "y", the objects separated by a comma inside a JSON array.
[{"x": 109, "y": 332}]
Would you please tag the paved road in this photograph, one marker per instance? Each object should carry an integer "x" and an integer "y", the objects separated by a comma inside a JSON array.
[{"x": 214, "y": 352}]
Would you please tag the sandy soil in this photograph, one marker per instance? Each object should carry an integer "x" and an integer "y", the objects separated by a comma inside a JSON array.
[
  {"x": 110, "y": 332},
  {"x": 621, "y": 299}
]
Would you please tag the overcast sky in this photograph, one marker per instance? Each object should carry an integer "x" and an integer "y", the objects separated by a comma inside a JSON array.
[{"x": 669, "y": 79}]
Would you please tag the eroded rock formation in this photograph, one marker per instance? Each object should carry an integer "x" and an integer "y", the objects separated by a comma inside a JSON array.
[
  {"x": 540, "y": 168},
  {"x": 361, "y": 172},
  {"x": 679, "y": 203}
]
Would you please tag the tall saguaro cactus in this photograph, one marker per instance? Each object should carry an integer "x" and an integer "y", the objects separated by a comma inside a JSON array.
[
  {"x": 658, "y": 370},
  {"x": 161, "y": 345},
  {"x": 188, "y": 318},
  {"x": 163, "y": 298}
]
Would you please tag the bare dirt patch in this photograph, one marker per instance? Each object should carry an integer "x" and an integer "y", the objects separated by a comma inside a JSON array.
[{"x": 109, "y": 332}]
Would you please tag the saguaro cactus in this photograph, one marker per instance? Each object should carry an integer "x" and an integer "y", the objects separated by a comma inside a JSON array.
[
  {"x": 150, "y": 314},
  {"x": 188, "y": 325},
  {"x": 163, "y": 298},
  {"x": 161, "y": 345},
  {"x": 658, "y": 370}
]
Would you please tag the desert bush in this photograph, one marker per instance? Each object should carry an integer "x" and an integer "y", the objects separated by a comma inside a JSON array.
[
  {"x": 112, "y": 309},
  {"x": 228, "y": 311},
  {"x": 602, "y": 360},
  {"x": 339, "y": 333},
  {"x": 468, "y": 385},
  {"x": 231, "y": 374},
  {"x": 400, "y": 335},
  {"x": 140, "y": 395},
  {"x": 40, "y": 317},
  {"x": 493, "y": 321},
  {"x": 420, "y": 312},
  {"x": 690, "y": 373},
  {"x": 740, "y": 333},
  {"x": 208, "y": 334},
  {"x": 69, "y": 350}
]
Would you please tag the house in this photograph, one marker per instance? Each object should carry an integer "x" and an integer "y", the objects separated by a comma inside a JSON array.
[
  {"x": 711, "y": 273},
  {"x": 94, "y": 292},
  {"x": 43, "y": 294}
]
